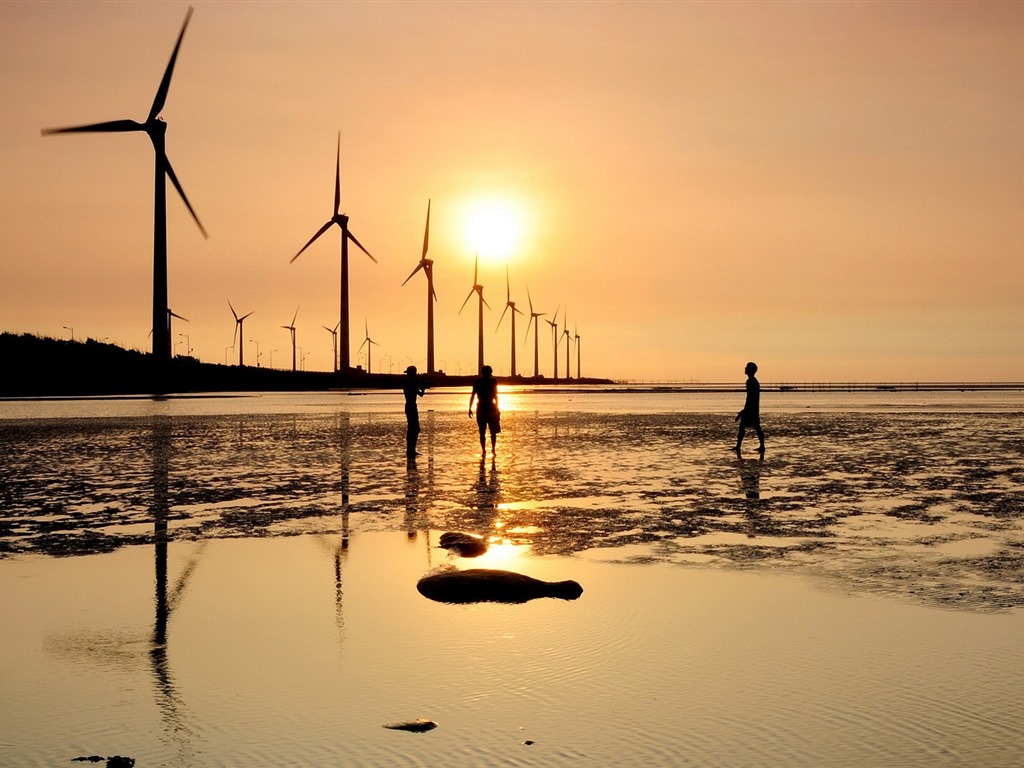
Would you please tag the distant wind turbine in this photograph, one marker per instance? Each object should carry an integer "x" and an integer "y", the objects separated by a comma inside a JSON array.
[
  {"x": 568, "y": 344},
  {"x": 170, "y": 336},
  {"x": 341, "y": 220},
  {"x": 536, "y": 327},
  {"x": 554, "y": 332},
  {"x": 576, "y": 331},
  {"x": 479, "y": 290},
  {"x": 156, "y": 129},
  {"x": 509, "y": 304},
  {"x": 334, "y": 335},
  {"x": 427, "y": 265},
  {"x": 368, "y": 343},
  {"x": 238, "y": 331},
  {"x": 292, "y": 329}
]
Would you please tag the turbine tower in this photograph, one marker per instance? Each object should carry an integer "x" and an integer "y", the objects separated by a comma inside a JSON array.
[
  {"x": 292, "y": 329},
  {"x": 427, "y": 265},
  {"x": 479, "y": 290},
  {"x": 156, "y": 129},
  {"x": 509, "y": 304},
  {"x": 238, "y": 331},
  {"x": 334, "y": 336},
  {"x": 368, "y": 343},
  {"x": 536, "y": 326},
  {"x": 341, "y": 220},
  {"x": 554, "y": 333}
]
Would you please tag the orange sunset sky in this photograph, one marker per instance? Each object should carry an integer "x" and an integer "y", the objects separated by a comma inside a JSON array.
[{"x": 834, "y": 190}]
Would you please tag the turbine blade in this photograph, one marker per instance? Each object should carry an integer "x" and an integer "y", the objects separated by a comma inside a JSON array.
[
  {"x": 319, "y": 232},
  {"x": 508, "y": 288},
  {"x": 337, "y": 179},
  {"x": 471, "y": 292},
  {"x": 295, "y": 315},
  {"x": 175, "y": 314},
  {"x": 234, "y": 336},
  {"x": 418, "y": 268},
  {"x": 476, "y": 265},
  {"x": 165, "y": 83},
  {"x": 245, "y": 316},
  {"x": 426, "y": 232},
  {"x": 110, "y": 126},
  {"x": 233, "y": 310},
  {"x": 353, "y": 239},
  {"x": 501, "y": 318},
  {"x": 483, "y": 299},
  {"x": 177, "y": 186}
]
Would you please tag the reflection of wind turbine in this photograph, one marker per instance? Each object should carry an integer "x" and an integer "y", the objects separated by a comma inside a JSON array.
[
  {"x": 509, "y": 304},
  {"x": 479, "y": 290},
  {"x": 536, "y": 327},
  {"x": 292, "y": 329},
  {"x": 427, "y": 265},
  {"x": 156, "y": 129},
  {"x": 334, "y": 336},
  {"x": 554, "y": 333},
  {"x": 341, "y": 220},
  {"x": 238, "y": 331},
  {"x": 368, "y": 343}
]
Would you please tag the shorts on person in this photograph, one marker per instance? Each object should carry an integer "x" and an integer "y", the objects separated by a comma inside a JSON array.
[{"x": 489, "y": 420}]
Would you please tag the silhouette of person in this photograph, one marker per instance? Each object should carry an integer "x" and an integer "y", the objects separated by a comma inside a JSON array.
[
  {"x": 412, "y": 389},
  {"x": 485, "y": 391},
  {"x": 750, "y": 416}
]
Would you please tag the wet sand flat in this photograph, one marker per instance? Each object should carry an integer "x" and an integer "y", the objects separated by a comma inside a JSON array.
[{"x": 241, "y": 587}]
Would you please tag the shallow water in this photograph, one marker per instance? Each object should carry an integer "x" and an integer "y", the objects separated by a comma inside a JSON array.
[{"x": 191, "y": 583}]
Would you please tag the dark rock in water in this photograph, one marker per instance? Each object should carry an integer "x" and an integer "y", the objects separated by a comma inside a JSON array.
[
  {"x": 117, "y": 761},
  {"x": 422, "y": 725},
  {"x": 465, "y": 544},
  {"x": 480, "y": 585}
]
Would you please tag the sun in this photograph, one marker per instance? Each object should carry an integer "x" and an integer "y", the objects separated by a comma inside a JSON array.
[{"x": 493, "y": 227}]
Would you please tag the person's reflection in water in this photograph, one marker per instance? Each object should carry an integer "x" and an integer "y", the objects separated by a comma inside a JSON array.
[
  {"x": 750, "y": 482},
  {"x": 413, "y": 521}
]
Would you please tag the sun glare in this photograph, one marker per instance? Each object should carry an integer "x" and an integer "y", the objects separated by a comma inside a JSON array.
[{"x": 493, "y": 228}]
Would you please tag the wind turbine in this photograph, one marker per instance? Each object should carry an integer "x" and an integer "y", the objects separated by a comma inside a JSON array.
[
  {"x": 554, "y": 332},
  {"x": 167, "y": 325},
  {"x": 238, "y": 331},
  {"x": 334, "y": 335},
  {"x": 536, "y": 327},
  {"x": 568, "y": 344},
  {"x": 341, "y": 220},
  {"x": 509, "y": 304},
  {"x": 156, "y": 129},
  {"x": 292, "y": 329},
  {"x": 576, "y": 331},
  {"x": 427, "y": 265},
  {"x": 368, "y": 343},
  {"x": 479, "y": 290}
]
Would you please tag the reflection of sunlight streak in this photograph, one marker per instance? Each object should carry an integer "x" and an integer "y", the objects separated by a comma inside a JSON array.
[
  {"x": 503, "y": 554},
  {"x": 510, "y": 401}
]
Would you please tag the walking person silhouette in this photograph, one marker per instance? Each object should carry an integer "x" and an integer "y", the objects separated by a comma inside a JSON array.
[
  {"x": 412, "y": 389},
  {"x": 485, "y": 391},
  {"x": 750, "y": 416}
]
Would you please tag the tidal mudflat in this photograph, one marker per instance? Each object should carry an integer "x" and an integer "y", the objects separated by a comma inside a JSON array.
[{"x": 227, "y": 583}]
